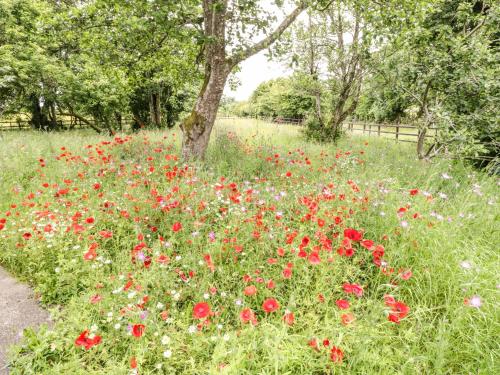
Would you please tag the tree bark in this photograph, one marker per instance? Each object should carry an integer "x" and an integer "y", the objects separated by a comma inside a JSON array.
[
  {"x": 118, "y": 118},
  {"x": 198, "y": 126},
  {"x": 82, "y": 119},
  {"x": 154, "y": 108},
  {"x": 53, "y": 116},
  {"x": 421, "y": 142},
  {"x": 39, "y": 119}
]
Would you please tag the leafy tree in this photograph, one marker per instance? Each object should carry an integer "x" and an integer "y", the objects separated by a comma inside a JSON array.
[
  {"x": 229, "y": 26},
  {"x": 281, "y": 97},
  {"x": 441, "y": 72},
  {"x": 99, "y": 58},
  {"x": 329, "y": 52}
]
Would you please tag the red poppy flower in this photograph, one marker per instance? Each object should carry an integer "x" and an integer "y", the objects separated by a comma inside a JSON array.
[
  {"x": 106, "y": 233},
  {"x": 314, "y": 259},
  {"x": 342, "y": 304},
  {"x": 353, "y": 289},
  {"x": 389, "y": 300},
  {"x": 91, "y": 253},
  {"x": 201, "y": 310},
  {"x": 164, "y": 315},
  {"x": 163, "y": 259},
  {"x": 313, "y": 343},
  {"x": 138, "y": 330},
  {"x": 406, "y": 274},
  {"x": 367, "y": 244},
  {"x": 353, "y": 234},
  {"x": 289, "y": 318},
  {"x": 270, "y": 305},
  {"x": 399, "y": 311},
  {"x": 287, "y": 273},
  {"x": 176, "y": 227},
  {"x": 247, "y": 315},
  {"x": 347, "y": 318},
  {"x": 270, "y": 284},
  {"x": 250, "y": 290},
  {"x": 87, "y": 342},
  {"x": 133, "y": 363},
  {"x": 336, "y": 354},
  {"x": 413, "y": 191}
]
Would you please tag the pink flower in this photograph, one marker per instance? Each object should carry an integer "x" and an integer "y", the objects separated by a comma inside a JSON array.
[
  {"x": 95, "y": 299},
  {"x": 474, "y": 301}
]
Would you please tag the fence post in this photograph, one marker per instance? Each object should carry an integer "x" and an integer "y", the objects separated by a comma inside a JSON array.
[
  {"x": 370, "y": 129},
  {"x": 378, "y": 132},
  {"x": 397, "y": 132},
  {"x": 364, "y": 127}
]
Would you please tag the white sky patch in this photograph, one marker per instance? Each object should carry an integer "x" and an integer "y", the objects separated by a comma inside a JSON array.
[
  {"x": 258, "y": 69},
  {"x": 254, "y": 71}
]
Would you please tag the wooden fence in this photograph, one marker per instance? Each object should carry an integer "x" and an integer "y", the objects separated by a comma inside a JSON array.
[
  {"x": 398, "y": 132},
  {"x": 66, "y": 124},
  {"x": 14, "y": 125},
  {"x": 274, "y": 120}
]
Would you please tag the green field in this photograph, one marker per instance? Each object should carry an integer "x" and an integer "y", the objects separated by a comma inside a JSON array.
[{"x": 121, "y": 239}]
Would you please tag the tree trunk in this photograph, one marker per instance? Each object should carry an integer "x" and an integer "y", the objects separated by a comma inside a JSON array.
[
  {"x": 154, "y": 108},
  {"x": 38, "y": 119},
  {"x": 197, "y": 127},
  {"x": 118, "y": 118},
  {"x": 421, "y": 142},
  {"x": 53, "y": 116},
  {"x": 317, "y": 98}
]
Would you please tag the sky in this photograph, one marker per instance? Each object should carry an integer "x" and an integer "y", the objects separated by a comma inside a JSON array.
[
  {"x": 254, "y": 71},
  {"x": 257, "y": 68}
]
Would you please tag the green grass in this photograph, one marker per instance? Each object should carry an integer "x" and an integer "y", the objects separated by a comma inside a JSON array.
[{"x": 456, "y": 221}]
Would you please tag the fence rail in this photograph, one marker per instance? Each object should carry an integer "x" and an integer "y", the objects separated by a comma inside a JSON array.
[
  {"x": 66, "y": 124},
  {"x": 384, "y": 130},
  {"x": 275, "y": 120},
  {"x": 398, "y": 132}
]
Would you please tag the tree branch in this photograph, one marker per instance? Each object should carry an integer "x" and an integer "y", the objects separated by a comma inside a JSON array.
[
  {"x": 82, "y": 119},
  {"x": 270, "y": 39}
]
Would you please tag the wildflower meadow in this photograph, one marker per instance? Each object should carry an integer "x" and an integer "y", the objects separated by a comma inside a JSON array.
[{"x": 273, "y": 256}]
